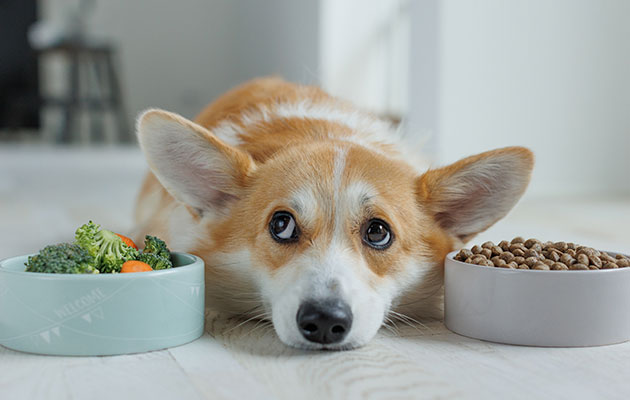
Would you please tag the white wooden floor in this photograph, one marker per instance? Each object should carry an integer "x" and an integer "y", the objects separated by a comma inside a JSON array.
[{"x": 44, "y": 195}]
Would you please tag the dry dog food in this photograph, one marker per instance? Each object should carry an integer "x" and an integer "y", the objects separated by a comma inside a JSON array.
[{"x": 534, "y": 254}]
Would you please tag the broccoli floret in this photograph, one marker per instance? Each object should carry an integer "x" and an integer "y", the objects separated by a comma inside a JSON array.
[
  {"x": 157, "y": 246},
  {"x": 155, "y": 253},
  {"x": 85, "y": 236},
  {"x": 107, "y": 248},
  {"x": 63, "y": 258},
  {"x": 156, "y": 262}
]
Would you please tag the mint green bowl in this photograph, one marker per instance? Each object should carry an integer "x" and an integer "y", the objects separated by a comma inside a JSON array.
[{"x": 90, "y": 315}]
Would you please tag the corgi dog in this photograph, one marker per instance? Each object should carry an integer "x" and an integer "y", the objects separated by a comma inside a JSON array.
[{"x": 312, "y": 213}]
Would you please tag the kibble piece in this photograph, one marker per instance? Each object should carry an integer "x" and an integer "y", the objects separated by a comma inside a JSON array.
[
  {"x": 478, "y": 259},
  {"x": 553, "y": 255},
  {"x": 541, "y": 266},
  {"x": 486, "y": 252},
  {"x": 469, "y": 260},
  {"x": 476, "y": 249},
  {"x": 518, "y": 239},
  {"x": 623, "y": 263},
  {"x": 567, "y": 259},
  {"x": 595, "y": 261},
  {"x": 523, "y": 266},
  {"x": 591, "y": 266},
  {"x": 548, "y": 262},
  {"x": 610, "y": 265},
  {"x": 482, "y": 262},
  {"x": 489, "y": 263},
  {"x": 537, "y": 247},
  {"x": 531, "y": 261},
  {"x": 530, "y": 253},
  {"x": 487, "y": 245},
  {"x": 558, "y": 266},
  {"x": 578, "y": 267},
  {"x": 499, "y": 263},
  {"x": 496, "y": 250},
  {"x": 530, "y": 242},
  {"x": 571, "y": 246},
  {"x": 562, "y": 246},
  {"x": 519, "y": 253},
  {"x": 517, "y": 246},
  {"x": 512, "y": 265},
  {"x": 620, "y": 257},
  {"x": 463, "y": 254},
  {"x": 519, "y": 260},
  {"x": 507, "y": 256},
  {"x": 583, "y": 259},
  {"x": 572, "y": 252},
  {"x": 585, "y": 250},
  {"x": 505, "y": 245},
  {"x": 607, "y": 258}
]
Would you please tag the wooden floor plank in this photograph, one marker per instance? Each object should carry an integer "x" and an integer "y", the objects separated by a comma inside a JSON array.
[
  {"x": 154, "y": 375},
  {"x": 215, "y": 372},
  {"x": 371, "y": 372}
]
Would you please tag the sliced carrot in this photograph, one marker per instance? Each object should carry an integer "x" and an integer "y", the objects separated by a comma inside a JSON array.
[
  {"x": 127, "y": 241},
  {"x": 135, "y": 266}
]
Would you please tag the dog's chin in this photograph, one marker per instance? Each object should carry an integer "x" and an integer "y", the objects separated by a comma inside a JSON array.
[
  {"x": 305, "y": 345},
  {"x": 361, "y": 333},
  {"x": 292, "y": 339}
]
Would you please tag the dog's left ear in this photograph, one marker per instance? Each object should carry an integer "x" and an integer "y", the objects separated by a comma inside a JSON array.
[
  {"x": 195, "y": 166},
  {"x": 469, "y": 196}
]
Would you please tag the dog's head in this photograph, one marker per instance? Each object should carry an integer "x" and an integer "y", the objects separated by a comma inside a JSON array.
[{"x": 329, "y": 235}]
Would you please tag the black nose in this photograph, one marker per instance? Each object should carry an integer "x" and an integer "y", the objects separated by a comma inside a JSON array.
[{"x": 324, "y": 322}]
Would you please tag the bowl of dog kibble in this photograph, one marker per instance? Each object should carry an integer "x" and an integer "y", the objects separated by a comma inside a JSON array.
[{"x": 536, "y": 293}]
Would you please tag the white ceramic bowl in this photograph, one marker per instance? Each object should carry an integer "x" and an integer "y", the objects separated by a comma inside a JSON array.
[{"x": 537, "y": 308}]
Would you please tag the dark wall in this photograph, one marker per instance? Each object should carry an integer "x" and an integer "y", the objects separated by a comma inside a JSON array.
[{"x": 19, "y": 85}]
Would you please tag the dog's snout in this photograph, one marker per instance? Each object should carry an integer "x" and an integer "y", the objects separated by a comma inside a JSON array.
[{"x": 324, "y": 322}]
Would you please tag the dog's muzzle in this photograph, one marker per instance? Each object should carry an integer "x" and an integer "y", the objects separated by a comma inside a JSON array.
[{"x": 325, "y": 322}]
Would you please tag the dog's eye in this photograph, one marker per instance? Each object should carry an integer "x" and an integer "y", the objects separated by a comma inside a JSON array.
[
  {"x": 283, "y": 227},
  {"x": 377, "y": 234}
]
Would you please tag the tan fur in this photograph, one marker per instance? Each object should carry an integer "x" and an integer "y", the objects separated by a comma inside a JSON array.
[{"x": 281, "y": 156}]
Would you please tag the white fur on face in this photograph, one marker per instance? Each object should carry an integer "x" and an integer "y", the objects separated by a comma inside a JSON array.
[
  {"x": 338, "y": 274},
  {"x": 304, "y": 202},
  {"x": 333, "y": 271}
]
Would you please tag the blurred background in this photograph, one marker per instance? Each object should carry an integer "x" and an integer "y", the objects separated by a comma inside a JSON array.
[{"x": 461, "y": 77}]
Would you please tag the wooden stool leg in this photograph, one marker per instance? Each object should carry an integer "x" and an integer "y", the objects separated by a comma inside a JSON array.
[
  {"x": 117, "y": 102},
  {"x": 98, "y": 92},
  {"x": 69, "y": 123}
]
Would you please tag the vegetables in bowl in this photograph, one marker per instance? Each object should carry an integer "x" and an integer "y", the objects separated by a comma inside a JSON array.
[{"x": 97, "y": 250}]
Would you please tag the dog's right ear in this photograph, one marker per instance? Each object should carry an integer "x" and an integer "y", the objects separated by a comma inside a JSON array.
[{"x": 195, "y": 166}]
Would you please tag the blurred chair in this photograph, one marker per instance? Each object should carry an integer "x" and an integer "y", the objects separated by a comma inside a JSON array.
[{"x": 97, "y": 94}]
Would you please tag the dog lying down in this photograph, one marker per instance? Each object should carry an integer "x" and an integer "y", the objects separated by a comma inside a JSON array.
[{"x": 309, "y": 212}]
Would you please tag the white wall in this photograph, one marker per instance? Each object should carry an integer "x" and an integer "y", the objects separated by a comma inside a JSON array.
[
  {"x": 179, "y": 55},
  {"x": 550, "y": 75},
  {"x": 363, "y": 47}
]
